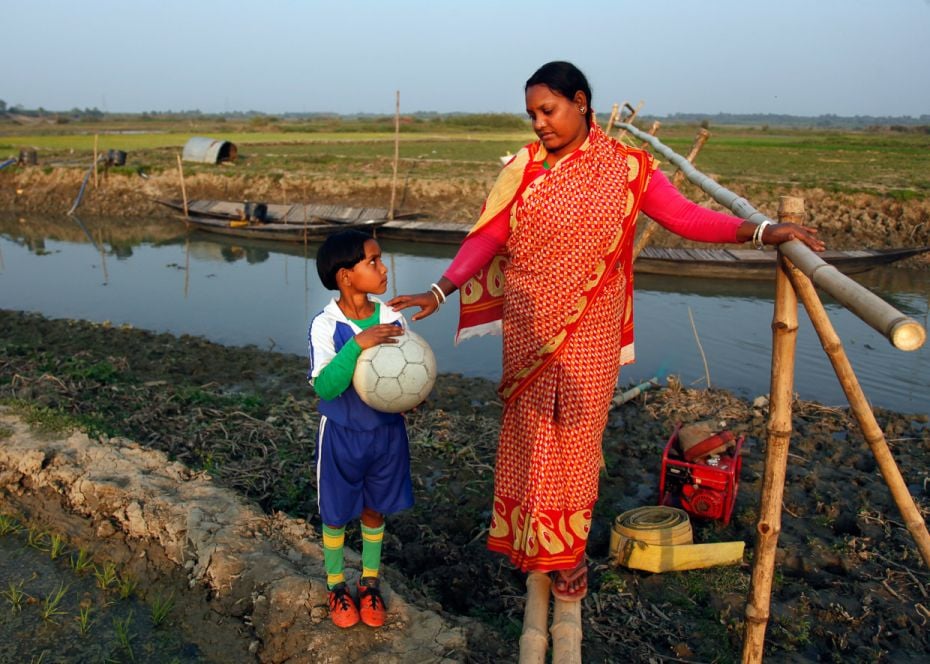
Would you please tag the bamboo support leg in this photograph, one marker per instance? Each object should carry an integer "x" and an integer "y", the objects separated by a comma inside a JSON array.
[
  {"x": 870, "y": 429},
  {"x": 534, "y": 641},
  {"x": 784, "y": 338},
  {"x": 566, "y": 632}
]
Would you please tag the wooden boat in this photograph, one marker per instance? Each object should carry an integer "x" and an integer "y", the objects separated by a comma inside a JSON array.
[
  {"x": 282, "y": 232},
  {"x": 297, "y": 213},
  {"x": 754, "y": 264}
]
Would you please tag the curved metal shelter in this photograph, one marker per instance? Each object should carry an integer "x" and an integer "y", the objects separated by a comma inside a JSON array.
[{"x": 209, "y": 150}]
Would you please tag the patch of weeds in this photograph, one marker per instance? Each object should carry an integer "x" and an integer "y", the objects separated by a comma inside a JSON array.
[
  {"x": 9, "y": 525},
  {"x": 106, "y": 577},
  {"x": 81, "y": 562},
  {"x": 38, "y": 659},
  {"x": 36, "y": 539},
  {"x": 84, "y": 620},
  {"x": 5, "y": 432},
  {"x": 124, "y": 635},
  {"x": 56, "y": 546},
  {"x": 15, "y": 595},
  {"x": 80, "y": 369},
  {"x": 611, "y": 582},
  {"x": 52, "y": 602},
  {"x": 43, "y": 419},
  {"x": 162, "y": 605},
  {"x": 127, "y": 586}
]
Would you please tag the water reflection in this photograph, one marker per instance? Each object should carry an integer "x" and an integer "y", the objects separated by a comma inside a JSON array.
[{"x": 153, "y": 275}]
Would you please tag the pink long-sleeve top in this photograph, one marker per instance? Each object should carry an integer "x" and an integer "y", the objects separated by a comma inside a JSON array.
[{"x": 661, "y": 201}]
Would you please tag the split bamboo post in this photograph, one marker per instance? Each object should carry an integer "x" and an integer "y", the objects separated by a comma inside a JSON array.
[
  {"x": 872, "y": 432},
  {"x": 95, "y": 160},
  {"x": 677, "y": 179},
  {"x": 614, "y": 111},
  {"x": 183, "y": 188},
  {"x": 534, "y": 641},
  {"x": 628, "y": 120},
  {"x": 566, "y": 632},
  {"x": 784, "y": 339},
  {"x": 396, "y": 154}
]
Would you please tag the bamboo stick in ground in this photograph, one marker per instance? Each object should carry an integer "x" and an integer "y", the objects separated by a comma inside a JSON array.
[
  {"x": 784, "y": 339},
  {"x": 396, "y": 155},
  {"x": 860, "y": 406},
  {"x": 183, "y": 188},
  {"x": 534, "y": 641},
  {"x": 95, "y": 161},
  {"x": 566, "y": 632}
]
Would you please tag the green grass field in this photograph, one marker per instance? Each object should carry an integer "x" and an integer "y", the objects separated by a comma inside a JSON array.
[{"x": 882, "y": 161}]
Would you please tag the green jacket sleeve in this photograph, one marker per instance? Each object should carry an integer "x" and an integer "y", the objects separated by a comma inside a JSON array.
[{"x": 336, "y": 376}]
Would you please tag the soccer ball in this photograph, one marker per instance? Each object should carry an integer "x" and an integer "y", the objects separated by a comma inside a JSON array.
[{"x": 393, "y": 378}]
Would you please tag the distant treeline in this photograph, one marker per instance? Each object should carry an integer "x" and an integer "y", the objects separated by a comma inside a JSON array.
[
  {"x": 425, "y": 120},
  {"x": 827, "y": 121}
]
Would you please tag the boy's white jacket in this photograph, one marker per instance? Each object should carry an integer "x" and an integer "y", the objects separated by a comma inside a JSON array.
[{"x": 322, "y": 348}]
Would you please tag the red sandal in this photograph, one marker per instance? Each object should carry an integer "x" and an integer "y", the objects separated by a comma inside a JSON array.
[{"x": 570, "y": 585}]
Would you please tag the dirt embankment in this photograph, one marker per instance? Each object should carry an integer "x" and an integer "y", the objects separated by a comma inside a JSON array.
[
  {"x": 845, "y": 221},
  {"x": 849, "y": 584}
]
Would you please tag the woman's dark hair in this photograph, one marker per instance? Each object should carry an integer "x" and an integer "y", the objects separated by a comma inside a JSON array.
[
  {"x": 564, "y": 78},
  {"x": 340, "y": 250}
]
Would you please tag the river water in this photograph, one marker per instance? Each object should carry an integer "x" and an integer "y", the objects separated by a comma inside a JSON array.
[{"x": 245, "y": 293}]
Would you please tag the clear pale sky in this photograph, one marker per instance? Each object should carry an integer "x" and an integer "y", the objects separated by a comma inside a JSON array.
[{"x": 799, "y": 57}]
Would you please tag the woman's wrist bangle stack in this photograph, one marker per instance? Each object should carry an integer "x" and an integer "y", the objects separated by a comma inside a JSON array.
[
  {"x": 757, "y": 234},
  {"x": 438, "y": 294}
]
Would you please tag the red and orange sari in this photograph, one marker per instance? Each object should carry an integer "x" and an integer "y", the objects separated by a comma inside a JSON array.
[{"x": 563, "y": 291}]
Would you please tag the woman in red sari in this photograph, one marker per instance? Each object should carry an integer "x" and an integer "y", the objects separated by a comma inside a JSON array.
[{"x": 549, "y": 262}]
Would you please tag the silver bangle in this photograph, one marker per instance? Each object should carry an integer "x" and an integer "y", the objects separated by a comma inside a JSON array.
[
  {"x": 438, "y": 301},
  {"x": 757, "y": 234},
  {"x": 437, "y": 291}
]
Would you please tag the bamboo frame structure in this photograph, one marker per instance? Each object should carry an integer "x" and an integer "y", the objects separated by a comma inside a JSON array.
[
  {"x": 614, "y": 112},
  {"x": 798, "y": 270},
  {"x": 651, "y": 226}
]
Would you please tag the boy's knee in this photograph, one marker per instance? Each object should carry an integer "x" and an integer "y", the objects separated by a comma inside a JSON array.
[{"x": 371, "y": 518}]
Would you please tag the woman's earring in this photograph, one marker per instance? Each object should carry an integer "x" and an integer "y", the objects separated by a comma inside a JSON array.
[{"x": 583, "y": 109}]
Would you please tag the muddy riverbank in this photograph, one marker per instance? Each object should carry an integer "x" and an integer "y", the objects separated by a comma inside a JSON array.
[{"x": 849, "y": 585}]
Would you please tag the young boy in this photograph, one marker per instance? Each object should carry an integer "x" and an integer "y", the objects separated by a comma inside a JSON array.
[{"x": 363, "y": 457}]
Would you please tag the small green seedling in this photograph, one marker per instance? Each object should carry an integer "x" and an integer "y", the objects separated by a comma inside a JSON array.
[
  {"x": 106, "y": 577},
  {"x": 52, "y": 602},
  {"x": 161, "y": 607},
  {"x": 81, "y": 562},
  {"x": 56, "y": 546},
  {"x": 15, "y": 595},
  {"x": 84, "y": 620}
]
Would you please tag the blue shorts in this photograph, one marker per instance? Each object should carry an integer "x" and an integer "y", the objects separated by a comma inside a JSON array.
[{"x": 358, "y": 469}]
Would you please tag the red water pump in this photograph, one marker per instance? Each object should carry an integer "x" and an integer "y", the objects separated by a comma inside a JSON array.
[{"x": 702, "y": 480}]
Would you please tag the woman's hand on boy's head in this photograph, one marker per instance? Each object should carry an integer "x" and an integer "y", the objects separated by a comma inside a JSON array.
[
  {"x": 383, "y": 333},
  {"x": 426, "y": 301}
]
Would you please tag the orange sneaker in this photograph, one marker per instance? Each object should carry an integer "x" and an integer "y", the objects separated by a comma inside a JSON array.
[
  {"x": 371, "y": 604},
  {"x": 342, "y": 609}
]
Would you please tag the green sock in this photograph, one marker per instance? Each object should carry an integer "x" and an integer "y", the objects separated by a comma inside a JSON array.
[
  {"x": 333, "y": 541},
  {"x": 371, "y": 550}
]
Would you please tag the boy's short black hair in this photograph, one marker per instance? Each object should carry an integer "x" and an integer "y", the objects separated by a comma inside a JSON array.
[{"x": 340, "y": 250}]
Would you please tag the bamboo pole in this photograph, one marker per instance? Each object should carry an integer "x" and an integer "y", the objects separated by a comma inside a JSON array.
[
  {"x": 183, "y": 188},
  {"x": 566, "y": 632},
  {"x": 903, "y": 332},
  {"x": 534, "y": 641},
  {"x": 784, "y": 338},
  {"x": 95, "y": 161},
  {"x": 677, "y": 179},
  {"x": 872, "y": 432},
  {"x": 396, "y": 154}
]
